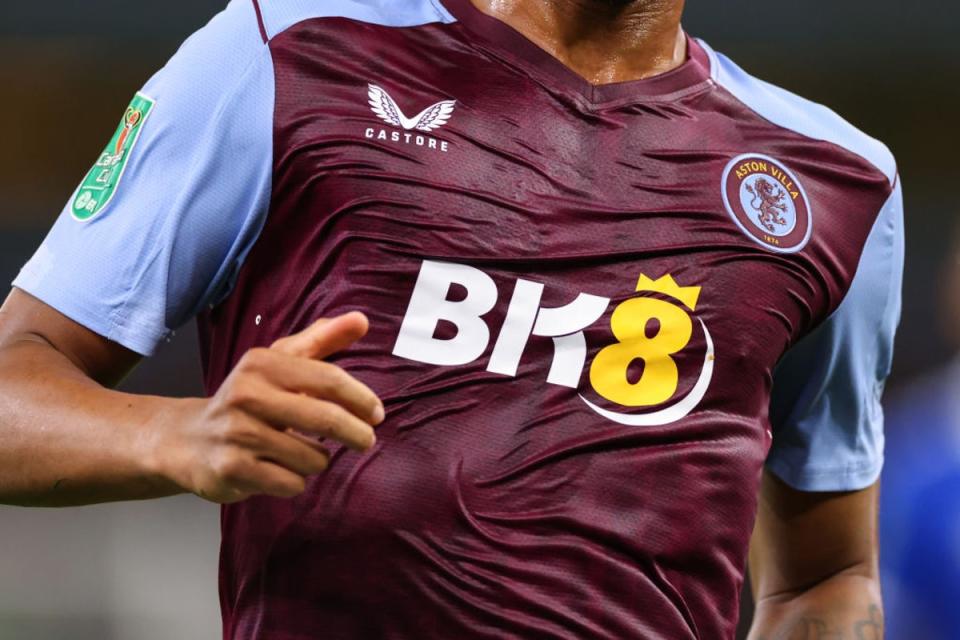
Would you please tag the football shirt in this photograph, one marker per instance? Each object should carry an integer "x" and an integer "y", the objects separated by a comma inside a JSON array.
[{"x": 596, "y": 311}]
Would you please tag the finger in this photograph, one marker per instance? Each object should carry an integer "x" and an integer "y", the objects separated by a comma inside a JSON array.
[
  {"x": 292, "y": 452},
  {"x": 310, "y": 441},
  {"x": 240, "y": 474},
  {"x": 285, "y": 409},
  {"x": 325, "y": 337},
  {"x": 266, "y": 478},
  {"x": 324, "y": 381},
  {"x": 223, "y": 495}
]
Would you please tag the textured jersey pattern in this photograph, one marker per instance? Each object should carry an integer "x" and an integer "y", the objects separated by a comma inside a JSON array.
[
  {"x": 586, "y": 355},
  {"x": 498, "y": 502}
]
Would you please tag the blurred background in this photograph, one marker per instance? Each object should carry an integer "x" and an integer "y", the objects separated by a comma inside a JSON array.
[{"x": 148, "y": 571}]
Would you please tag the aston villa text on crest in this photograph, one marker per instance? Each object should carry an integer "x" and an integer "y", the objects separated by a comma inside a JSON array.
[
  {"x": 758, "y": 166},
  {"x": 406, "y": 137}
]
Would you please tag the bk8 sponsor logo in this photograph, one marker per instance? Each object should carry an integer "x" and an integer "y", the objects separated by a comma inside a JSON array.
[{"x": 672, "y": 311}]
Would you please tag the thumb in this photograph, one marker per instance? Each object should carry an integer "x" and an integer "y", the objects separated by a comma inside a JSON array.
[{"x": 325, "y": 336}]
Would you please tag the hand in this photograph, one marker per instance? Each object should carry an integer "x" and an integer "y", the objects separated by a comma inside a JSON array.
[{"x": 251, "y": 438}]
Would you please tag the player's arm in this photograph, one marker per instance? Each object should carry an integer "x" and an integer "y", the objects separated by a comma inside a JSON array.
[
  {"x": 814, "y": 564},
  {"x": 154, "y": 235},
  {"x": 66, "y": 438},
  {"x": 813, "y": 557}
]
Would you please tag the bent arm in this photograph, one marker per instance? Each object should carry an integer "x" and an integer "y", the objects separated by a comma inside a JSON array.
[
  {"x": 65, "y": 437},
  {"x": 814, "y": 565}
]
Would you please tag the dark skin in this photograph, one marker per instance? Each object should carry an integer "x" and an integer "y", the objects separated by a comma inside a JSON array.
[
  {"x": 604, "y": 41},
  {"x": 69, "y": 439},
  {"x": 814, "y": 565}
]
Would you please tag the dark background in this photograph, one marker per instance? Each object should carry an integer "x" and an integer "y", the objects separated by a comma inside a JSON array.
[{"x": 67, "y": 70}]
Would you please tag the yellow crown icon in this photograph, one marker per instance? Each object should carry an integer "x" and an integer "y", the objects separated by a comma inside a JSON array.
[{"x": 668, "y": 286}]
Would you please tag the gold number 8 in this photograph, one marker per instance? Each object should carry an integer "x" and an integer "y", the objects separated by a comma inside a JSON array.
[{"x": 660, "y": 378}]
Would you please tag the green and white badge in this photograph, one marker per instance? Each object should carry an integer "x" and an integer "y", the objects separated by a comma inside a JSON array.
[{"x": 101, "y": 183}]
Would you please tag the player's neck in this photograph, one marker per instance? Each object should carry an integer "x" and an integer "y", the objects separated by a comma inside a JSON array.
[{"x": 602, "y": 40}]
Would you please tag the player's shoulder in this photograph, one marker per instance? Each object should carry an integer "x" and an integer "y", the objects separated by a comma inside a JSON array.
[
  {"x": 795, "y": 113},
  {"x": 278, "y": 16},
  {"x": 214, "y": 60}
]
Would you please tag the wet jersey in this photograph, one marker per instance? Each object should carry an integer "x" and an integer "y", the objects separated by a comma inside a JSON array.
[{"x": 596, "y": 311}]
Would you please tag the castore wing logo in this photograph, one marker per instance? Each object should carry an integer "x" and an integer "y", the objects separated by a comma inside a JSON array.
[
  {"x": 408, "y": 131},
  {"x": 433, "y": 117}
]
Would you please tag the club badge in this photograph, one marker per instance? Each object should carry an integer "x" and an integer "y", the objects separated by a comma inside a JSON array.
[{"x": 767, "y": 202}]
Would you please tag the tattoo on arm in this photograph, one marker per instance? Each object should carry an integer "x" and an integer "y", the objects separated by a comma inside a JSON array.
[
  {"x": 872, "y": 627},
  {"x": 816, "y": 628}
]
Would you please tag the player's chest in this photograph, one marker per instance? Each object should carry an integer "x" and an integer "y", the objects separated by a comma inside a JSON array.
[
  {"x": 485, "y": 170},
  {"x": 482, "y": 177},
  {"x": 443, "y": 138},
  {"x": 478, "y": 166},
  {"x": 495, "y": 232}
]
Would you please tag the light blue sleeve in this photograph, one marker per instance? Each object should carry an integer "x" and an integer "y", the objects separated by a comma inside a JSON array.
[
  {"x": 189, "y": 204},
  {"x": 825, "y": 410}
]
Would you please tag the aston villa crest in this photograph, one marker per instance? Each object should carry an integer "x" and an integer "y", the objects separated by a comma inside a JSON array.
[{"x": 767, "y": 202}]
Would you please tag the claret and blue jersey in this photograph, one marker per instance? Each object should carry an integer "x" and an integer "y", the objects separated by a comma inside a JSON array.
[{"x": 596, "y": 311}]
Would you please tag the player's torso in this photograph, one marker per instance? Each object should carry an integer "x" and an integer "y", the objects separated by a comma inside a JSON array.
[{"x": 576, "y": 306}]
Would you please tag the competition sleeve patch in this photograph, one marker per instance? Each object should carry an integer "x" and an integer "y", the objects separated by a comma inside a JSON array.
[{"x": 101, "y": 183}]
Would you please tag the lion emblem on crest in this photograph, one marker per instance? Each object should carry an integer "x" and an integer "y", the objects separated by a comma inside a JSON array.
[{"x": 768, "y": 202}]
